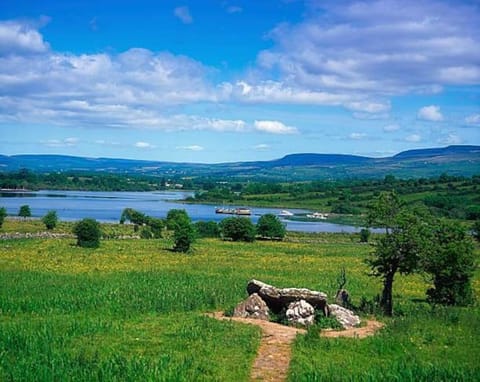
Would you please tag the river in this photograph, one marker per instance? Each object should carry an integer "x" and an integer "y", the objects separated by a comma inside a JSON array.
[{"x": 108, "y": 206}]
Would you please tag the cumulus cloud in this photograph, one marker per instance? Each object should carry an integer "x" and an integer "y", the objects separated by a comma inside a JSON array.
[
  {"x": 413, "y": 138},
  {"x": 144, "y": 145},
  {"x": 20, "y": 38},
  {"x": 183, "y": 14},
  {"x": 378, "y": 47},
  {"x": 274, "y": 127},
  {"x": 473, "y": 119},
  {"x": 191, "y": 148},
  {"x": 430, "y": 113}
]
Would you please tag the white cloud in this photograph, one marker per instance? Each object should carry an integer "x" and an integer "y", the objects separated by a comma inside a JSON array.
[
  {"x": 413, "y": 138},
  {"x": 473, "y": 119},
  {"x": 20, "y": 38},
  {"x": 144, "y": 145},
  {"x": 262, "y": 147},
  {"x": 451, "y": 139},
  {"x": 391, "y": 128},
  {"x": 378, "y": 47},
  {"x": 191, "y": 148},
  {"x": 430, "y": 113},
  {"x": 67, "y": 142},
  {"x": 357, "y": 136},
  {"x": 183, "y": 13},
  {"x": 274, "y": 127}
]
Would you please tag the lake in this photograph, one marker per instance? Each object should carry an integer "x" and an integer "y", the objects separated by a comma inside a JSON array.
[{"x": 108, "y": 206}]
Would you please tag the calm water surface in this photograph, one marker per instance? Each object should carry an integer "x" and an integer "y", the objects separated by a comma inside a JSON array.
[{"x": 108, "y": 206}]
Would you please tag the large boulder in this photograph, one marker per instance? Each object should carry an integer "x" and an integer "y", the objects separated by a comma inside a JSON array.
[
  {"x": 252, "y": 307},
  {"x": 300, "y": 313},
  {"x": 345, "y": 317},
  {"x": 279, "y": 298}
]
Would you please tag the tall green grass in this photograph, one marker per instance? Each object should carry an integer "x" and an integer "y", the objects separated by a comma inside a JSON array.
[{"x": 133, "y": 310}]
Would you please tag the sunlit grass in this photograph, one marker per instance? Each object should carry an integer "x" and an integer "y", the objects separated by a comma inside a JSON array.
[{"x": 133, "y": 310}]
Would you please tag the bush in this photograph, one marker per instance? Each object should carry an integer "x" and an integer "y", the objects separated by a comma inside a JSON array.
[
  {"x": 364, "y": 235},
  {"x": 88, "y": 233},
  {"x": 24, "y": 211},
  {"x": 207, "y": 229},
  {"x": 237, "y": 229},
  {"x": 146, "y": 233},
  {"x": 174, "y": 216},
  {"x": 3, "y": 214},
  {"x": 50, "y": 219},
  {"x": 156, "y": 226},
  {"x": 184, "y": 233},
  {"x": 271, "y": 227},
  {"x": 451, "y": 264}
]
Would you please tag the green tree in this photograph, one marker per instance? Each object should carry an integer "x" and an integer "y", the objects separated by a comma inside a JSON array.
[
  {"x": 175, "y": 215},
  {"x": 406, "y": 238},
  {"x": 238, "y": 229},
  {"x": 364, "y": 235},
  {"x": 451, "y": 263},
  {"x": 88, "y": 233},
  {"x": 25, "y": 211},
  {"x": 183, "y": 230},
  {"x": 207, "y": 229},
  {"x": 3, "y": 215},
  {"x": 50, "y": 219},
  {"x": 271, "y": 227}
]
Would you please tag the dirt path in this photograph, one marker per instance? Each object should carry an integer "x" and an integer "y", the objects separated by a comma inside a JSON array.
[{"x": 274, "y": 354}]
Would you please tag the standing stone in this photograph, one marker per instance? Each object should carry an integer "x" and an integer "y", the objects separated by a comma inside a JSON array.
[
  {"x": 252, "y": 307},
  {"x": 300, "y": 313},
  {"x": 345, "y": 317},
  {"x": 343, "y": 298}
]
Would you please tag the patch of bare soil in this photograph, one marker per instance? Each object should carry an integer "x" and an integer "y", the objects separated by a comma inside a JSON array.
[{"x": 274, "y": 353}]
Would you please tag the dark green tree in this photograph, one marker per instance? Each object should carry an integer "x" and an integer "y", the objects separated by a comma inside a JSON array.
[
  {"x": 175, "y": 215},
  {"x": 406, "y": 238},
  {"x": 183, "y": 230},
  {"x": 237, "y": 229},
  {"x": 207, "y": 229},
  {"x": 476, "y": 230},
  {"x": 88, "y": 233},
  {"x": 270, "y": 226},
  {"x": 364, "y": 235},
  {"x": 451, "y": 264},
  {"x": 3, "y": 215},
  {"x": 25, "y": 211},
  {"x": 50, "y": 219}
]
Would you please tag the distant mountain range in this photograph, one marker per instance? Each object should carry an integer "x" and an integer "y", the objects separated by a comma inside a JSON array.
[{"x": 454, "y": 160}]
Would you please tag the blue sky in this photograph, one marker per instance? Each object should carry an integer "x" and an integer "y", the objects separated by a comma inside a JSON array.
[{"x": 220, "y": 81}]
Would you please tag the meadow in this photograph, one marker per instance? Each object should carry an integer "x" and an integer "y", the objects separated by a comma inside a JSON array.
[{"x": 134, "y": 310}]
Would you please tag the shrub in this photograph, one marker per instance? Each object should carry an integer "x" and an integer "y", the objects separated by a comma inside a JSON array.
[
  {"x": 146, "y": 233},
  {"x": 364, "y": 235},
  {"x": 238, "y": 229},
  {"x": 50, "y": 219},
  {"x": 451, "y": 263},
  {"x": 271, "y": 227},
  {"x": 3, "y": 214},
  {"x": 184, "y": 233},
  {"x": 156, "y": 226},
  {"x": 174, "y": 216},
  {"x": 207, "y": 229},
  {"x": 88, "y": 233},
  {"x": 24, "y": 211}
]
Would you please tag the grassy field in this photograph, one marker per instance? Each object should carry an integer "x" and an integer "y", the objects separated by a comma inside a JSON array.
[{"x": 133, "y": 310}]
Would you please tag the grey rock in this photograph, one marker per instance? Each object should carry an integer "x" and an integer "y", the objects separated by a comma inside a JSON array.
[
  {"x": 279, "y": 298},
  {"x": 345, "y": 317},
  {"x": 300, "y": 313},
  {"x": 343, "y": 298},
  {"x": 252, "y": 307}
]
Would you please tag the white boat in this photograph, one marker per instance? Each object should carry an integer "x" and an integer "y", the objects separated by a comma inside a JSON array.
[
  {"x": 318, "y": 215},
  {"x": 243, "y": 211},
  {"x": 285, "y": 213}
]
